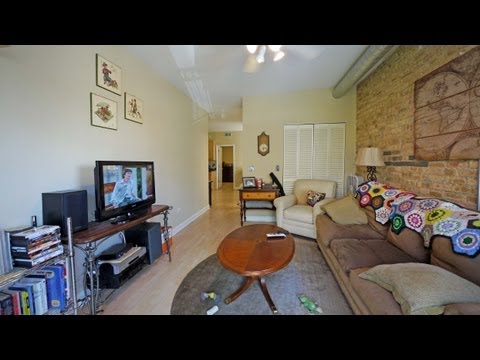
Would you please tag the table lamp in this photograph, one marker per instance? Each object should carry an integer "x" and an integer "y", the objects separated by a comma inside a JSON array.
[{"x": 371, "y": 157}]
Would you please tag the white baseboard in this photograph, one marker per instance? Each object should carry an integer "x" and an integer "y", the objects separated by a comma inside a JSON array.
[
  {"x": 256, "y": 215},
  {"x": 188, "y": 221}
]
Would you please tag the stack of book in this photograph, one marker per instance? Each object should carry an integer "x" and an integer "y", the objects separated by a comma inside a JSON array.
[
  {"x": 35, "y": 246},
  {"x": 36, "y": 293},
  {"x": 6, "y": 263}
]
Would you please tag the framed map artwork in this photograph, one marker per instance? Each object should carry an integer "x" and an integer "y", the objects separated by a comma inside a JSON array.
[{"x": 447, "y": 111}]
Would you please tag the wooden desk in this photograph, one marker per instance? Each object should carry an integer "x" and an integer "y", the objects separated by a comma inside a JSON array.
[{"x": 255, "y": 195}]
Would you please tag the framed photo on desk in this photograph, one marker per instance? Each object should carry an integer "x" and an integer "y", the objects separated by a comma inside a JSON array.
[{"x": 248, "y": 182}]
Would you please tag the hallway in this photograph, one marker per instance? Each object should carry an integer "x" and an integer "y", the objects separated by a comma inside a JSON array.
[{"x": 225, "y": 197}]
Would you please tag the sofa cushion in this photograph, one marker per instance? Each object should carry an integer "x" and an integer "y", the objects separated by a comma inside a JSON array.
[
  {"x": 327, "y": 230},
  {"x": 355, "y": 253},
  {"x": 423, "y": 289},
  {"x": 462, "y": 309},
  {"x": 410, "y": 242},
  {"x": 464, "y": 266},
  {"x": 378, "y": 300},
  {"x": 314, "y": 196},
  {"x": 345, "y": 211},
  {"x": 301, "y": 213}
]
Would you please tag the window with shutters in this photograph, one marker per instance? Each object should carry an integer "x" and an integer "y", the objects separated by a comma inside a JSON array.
[{"x": 314, "y": 151}]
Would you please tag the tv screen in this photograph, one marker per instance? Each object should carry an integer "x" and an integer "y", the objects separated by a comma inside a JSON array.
[{"x": 123, "y": 188}]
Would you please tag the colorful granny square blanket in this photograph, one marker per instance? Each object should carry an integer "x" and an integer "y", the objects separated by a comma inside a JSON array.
[{"x": 426, "y": 216}]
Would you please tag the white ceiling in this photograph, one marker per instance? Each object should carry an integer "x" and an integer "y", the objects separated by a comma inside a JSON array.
[{"x": 213, "y": 76}]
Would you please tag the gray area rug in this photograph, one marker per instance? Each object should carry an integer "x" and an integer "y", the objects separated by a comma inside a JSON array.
[{"x": 307, "y": 274}]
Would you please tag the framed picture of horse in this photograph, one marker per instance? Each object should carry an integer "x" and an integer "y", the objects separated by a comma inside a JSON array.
[
  {"x": 133, "y": 108},
  {"x": 109, "y": 75}
]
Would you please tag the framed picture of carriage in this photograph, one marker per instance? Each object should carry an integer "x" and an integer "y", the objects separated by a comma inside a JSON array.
[
  {"x": 103, "y": 112},
  {"x": 109, "y": 75}
]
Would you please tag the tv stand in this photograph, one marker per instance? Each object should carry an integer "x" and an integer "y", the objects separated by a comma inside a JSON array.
[
  {"x": 128, "y": 216},
  {"x": 101, "y": 230},
  {"x": 119, "y": 219}
]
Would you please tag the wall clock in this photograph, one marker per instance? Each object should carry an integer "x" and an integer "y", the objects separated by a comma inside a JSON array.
[{"x": 263, "y": 144}]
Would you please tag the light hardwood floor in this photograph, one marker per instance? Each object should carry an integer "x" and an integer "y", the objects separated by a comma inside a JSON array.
[{"x": 151, "y": 291}]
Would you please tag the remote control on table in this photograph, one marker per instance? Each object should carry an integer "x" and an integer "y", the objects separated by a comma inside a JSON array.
[{"x": 276, "y": 235}]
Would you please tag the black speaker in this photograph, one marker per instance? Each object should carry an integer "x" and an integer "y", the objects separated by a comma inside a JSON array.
[
  {"x": 146, "y": 234},
  {"x": 59, "y": 205}
]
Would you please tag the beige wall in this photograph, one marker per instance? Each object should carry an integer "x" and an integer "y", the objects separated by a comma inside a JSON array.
[
  {"x": 270, "y": 113},
  {"x": 48, "y": 143},
  {"x": 234, "y": 139},
  {"x": 385, "y": 113}
]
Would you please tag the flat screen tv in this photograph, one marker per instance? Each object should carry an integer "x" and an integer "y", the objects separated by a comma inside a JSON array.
[{"x": 123, "y": 189}]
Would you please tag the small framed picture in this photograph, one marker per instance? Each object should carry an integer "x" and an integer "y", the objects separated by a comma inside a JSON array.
[
  {"x": 133, "y": 108},
  {"x": 248, "y": 182},
  {"x": 109, "y": 75},
  {"x": 103, "y": 112}
]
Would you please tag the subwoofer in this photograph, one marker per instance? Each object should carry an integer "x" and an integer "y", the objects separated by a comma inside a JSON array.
[
  {"x": 148, "y": 235},
  {"x": 59, "y": 205}
]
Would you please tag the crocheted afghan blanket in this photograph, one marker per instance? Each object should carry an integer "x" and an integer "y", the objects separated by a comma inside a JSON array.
[{"x": 428, "y": 217}]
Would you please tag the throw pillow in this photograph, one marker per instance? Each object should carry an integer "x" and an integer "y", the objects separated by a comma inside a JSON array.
[
  {"x": 423, "y": 289},
  {"x": 314, "y": 196},
  {"x": 345, "y": 211}
]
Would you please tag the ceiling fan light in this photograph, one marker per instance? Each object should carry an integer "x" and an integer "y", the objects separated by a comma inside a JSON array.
[
  {"x": 279, "y": 55},
  {"x": 275, "y": 48},
  {"x": 252, "y": 48},
  {"x": 261, "y": 54}
]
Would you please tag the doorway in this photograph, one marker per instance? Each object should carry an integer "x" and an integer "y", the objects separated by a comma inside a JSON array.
[{"x": 225, "y": 165}]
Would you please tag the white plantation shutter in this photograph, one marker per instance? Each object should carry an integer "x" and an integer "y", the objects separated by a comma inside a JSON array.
[
  {"x": 329, "y": 154},
  {"x": 305, "y": 150},
  {"x": 321, "y": 153},
  {"x": 289, "y": 157},
  {"x": 315, "y": 151},
  {"x": 297, "y": 154},
  {"x": 337, "y": 157}
]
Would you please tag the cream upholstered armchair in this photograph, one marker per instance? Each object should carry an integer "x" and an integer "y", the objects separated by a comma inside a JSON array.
[{"x": 293, "y": 212}]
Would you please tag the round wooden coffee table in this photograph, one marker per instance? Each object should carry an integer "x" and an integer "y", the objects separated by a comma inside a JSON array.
[{"x": 248, "y": 252}]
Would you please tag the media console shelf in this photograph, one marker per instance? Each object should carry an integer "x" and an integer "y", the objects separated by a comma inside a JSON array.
[{"x": 101, "y": 230}]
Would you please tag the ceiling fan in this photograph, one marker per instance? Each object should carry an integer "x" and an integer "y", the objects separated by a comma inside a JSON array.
[{"x": 257, "y": 55}]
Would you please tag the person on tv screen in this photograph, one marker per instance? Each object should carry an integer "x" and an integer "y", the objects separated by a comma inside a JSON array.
[{"x": 124, "y": 192}]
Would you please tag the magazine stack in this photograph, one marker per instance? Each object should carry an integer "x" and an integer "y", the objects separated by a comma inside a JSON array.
[{"x": 35, "y": 246}]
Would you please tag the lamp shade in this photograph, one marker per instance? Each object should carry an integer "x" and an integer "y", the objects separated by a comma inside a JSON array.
[{"x": 370, "y": 156}]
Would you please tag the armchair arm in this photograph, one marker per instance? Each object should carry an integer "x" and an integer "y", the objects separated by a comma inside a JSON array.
[{"x": 281, "y": 203}]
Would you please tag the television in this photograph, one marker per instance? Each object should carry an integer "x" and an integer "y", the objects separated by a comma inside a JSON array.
[{"x": 123, "y": 189}]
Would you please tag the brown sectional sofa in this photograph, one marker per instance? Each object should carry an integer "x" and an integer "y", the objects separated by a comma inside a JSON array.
[{"x": 352, "y": 249}]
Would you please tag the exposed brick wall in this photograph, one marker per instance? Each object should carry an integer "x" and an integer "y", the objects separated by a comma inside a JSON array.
[{"x": 385, "y": 112}]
